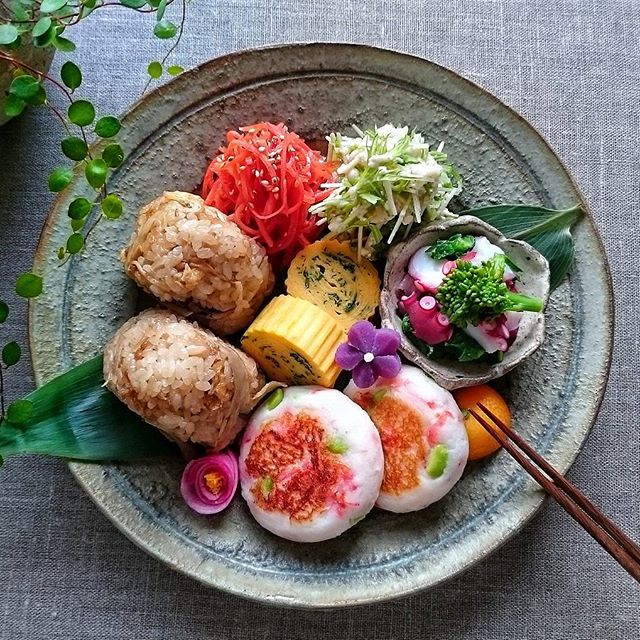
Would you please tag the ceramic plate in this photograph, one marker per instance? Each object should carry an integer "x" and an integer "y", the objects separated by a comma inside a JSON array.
[{"x": 169, "y": 137}]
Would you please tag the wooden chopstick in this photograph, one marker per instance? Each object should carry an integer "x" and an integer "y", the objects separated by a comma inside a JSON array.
[{"x": 579, "y": 507}]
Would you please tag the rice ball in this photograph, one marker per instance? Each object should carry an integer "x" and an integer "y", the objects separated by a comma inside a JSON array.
[
  {"x": 310, "y": 467},
  {"x": 188, "y": 253},
  {"x": 181, "y": 378},
  {"x": 423, "y": 437}
]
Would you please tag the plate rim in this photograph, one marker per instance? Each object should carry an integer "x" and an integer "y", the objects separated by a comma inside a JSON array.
[{"x": 78, "y": 469}]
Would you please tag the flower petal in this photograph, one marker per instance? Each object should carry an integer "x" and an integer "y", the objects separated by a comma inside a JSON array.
[
  {"x": 347, "y": 356},
  {"x": 361, "y": 336},
  {"x": 386, "y": 366},
  {"x": 363, "y": 375},
  {"x": 385, "y": 342}
]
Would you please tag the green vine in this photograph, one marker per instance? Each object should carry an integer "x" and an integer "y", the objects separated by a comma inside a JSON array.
[{"x": 43, "y": 23}]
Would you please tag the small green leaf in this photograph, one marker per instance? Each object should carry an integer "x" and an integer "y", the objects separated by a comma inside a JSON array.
[
  {"x": 39, "y": 98},
  {"x": 90, "y": 4},
  {"x": 11, "y": 354},
  {"x": 274, "y": 399},
  {"x": 60, "y": 179},
  {"x": 153, "y": 3},
  {"x": 82, "y": 113},
  {"x": 64, "y": 44},
  {"x": 79, "y": 209},
  {"x": 71, "y": 75},
  {"x": 96, "y": 172},
  {"x": 8, "y": 34},
  {"x": 62, "y": 251},
  {"x": 76, "y": 225},
  {"x": 4, "y": 311},
  {"x": 49, "y": 6},
  {"x": 133, "y": 4},
  {"x": 19, "y": 411},
  {"x": 46, "y": 38},
  {"x": 24, "y": 87},
  {"x": 112, "y": 207},
  {"x": 29, "y": 285},
  {"x": 113, "y": 155},
  {"x": 154, "y": 69},
  {"x": 108, "y": 127},
  {"x": 41, "y": 27},
  {"x": 75, "y": 242},
  {"x": 13, "y": 106},
  {"x": 175, "y": 70},
  {"x": 74, "y": 148},
  {"x": 165, "y": 30}
]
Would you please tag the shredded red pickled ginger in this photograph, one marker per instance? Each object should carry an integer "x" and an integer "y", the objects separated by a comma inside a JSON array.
[{"x": 265, "y": 179}]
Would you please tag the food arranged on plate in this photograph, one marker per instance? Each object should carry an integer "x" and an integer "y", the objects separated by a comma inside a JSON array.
[{"x": 286, "y": 293}]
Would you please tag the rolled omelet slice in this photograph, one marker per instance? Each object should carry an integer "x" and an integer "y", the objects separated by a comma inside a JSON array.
[
  {"x": 423, "y": 438},
  {"x": 310, "y": 467}
]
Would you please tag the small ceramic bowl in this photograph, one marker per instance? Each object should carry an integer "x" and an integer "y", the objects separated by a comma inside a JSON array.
[{"x": 534, "y": 280}]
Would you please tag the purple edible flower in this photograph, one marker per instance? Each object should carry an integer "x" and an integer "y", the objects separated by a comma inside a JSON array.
[
  {"x": 208, "y": 483},
  {"x": 370, "y": 353}
]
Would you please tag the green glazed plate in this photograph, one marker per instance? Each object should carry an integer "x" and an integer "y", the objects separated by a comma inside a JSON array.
[{"x": 169, "y": 137}]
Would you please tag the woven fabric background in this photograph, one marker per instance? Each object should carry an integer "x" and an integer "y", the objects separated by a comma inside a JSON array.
[{"x": 572, "y": 68}]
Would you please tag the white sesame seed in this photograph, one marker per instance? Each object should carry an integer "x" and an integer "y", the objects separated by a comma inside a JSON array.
[
  {"x": 276, "y": 189},
  {"x": 261, "y": 149},
  {"x": 264, "y": 183}
]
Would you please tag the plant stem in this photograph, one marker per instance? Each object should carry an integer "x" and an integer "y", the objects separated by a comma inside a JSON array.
[
  {"x": 1, "y": 394},
  {"x": 44, "y": 76},
  {"x": 175, "y": 44},
  {"x": 522, "y": 302},
  {"x": 60, "y": 117}
]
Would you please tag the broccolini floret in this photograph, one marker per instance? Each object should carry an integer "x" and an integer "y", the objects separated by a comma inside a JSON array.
[{"x": 473, "y": 293}]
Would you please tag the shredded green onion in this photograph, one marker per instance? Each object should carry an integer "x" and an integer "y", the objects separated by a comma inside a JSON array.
[{"x": 387, "y": 179}]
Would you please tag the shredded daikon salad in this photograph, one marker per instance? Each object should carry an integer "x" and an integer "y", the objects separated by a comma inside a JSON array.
[{"x": 388, "y": 181}]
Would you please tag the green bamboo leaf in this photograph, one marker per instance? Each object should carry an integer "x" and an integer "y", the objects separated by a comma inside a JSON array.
[
  {"x": 175, "y": 70},
  {"x": 133, "y": 4},
  {"x": 19, "y": 412},
  {"x": 548, "y": 230},
  {"x": 4, "y": 311},
  {"x": 74, "y": 416}
]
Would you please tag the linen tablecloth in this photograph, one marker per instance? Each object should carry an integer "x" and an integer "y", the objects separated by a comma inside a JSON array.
[{"x": 571, "y": 67}]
